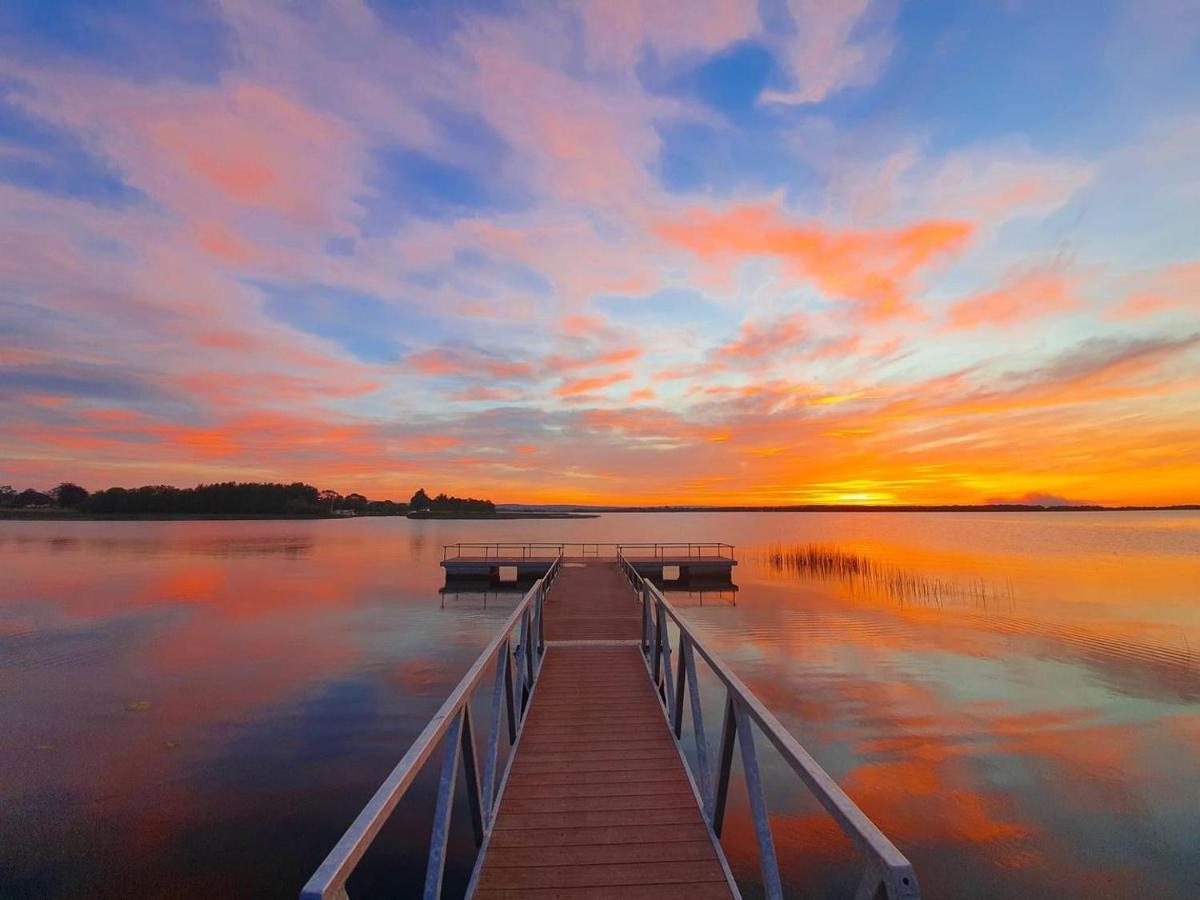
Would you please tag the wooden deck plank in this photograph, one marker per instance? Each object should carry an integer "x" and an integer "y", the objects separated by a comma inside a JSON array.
[
  {"x": 616, "y": 874},
  {"x": 605, "y": 789},
  {"x": 596, "y": 835},
  {"x": 597, "y": 803},
  {"x": 593, "y": 777},
  {"x": 604, "y": 803},
  {"x": 591, "y": 854},
  {"x": 707, "y": 891}
]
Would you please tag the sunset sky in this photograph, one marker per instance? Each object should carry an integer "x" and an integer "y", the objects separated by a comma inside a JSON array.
[{"x": 785, "y": 251}]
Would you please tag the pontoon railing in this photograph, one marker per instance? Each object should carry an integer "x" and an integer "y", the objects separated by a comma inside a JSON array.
[
  {"x": 888, "y": 873},
  {"x": 637, "y": 551},
  {"x": 453, "y": 728}
]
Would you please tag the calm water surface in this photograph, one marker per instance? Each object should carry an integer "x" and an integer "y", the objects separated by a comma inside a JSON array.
[{"x": 198, "y": 709}]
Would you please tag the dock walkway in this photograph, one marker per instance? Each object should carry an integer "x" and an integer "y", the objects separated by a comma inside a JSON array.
[
  {"x": 597, "y": 803},
  {"x": 592, "y": 678}
]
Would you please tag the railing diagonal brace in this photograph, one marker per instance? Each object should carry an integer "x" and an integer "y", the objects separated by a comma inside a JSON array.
[
  {"x": 758, "y": 806},
  {"x": 436, "y": 865}
]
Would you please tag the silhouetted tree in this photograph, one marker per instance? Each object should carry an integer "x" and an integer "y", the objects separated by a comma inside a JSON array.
[
  {"x": 30, "y": 497},
  {"x": 8, "y": 495},
  {"x": 228, "y": 498},
  {"x": 356, "y": 502},
  {"x": 69, "y": 494},
  {"x": 420, "y": 500}
]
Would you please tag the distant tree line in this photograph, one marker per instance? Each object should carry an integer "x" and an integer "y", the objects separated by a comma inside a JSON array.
[
  {"x": 227, "y": 498},
  {"x": 422, "y": 502},
  {"x": 67, "y": 495}
]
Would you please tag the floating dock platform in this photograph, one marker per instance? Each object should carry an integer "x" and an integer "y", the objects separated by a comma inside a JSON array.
[{"x": 532, "y": 560}]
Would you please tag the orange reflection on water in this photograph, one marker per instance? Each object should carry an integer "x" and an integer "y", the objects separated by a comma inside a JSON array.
[{"x": 1036, "y": 736}]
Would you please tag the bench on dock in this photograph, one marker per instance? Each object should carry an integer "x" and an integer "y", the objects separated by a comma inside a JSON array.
[{"x": 595, "y": 797}]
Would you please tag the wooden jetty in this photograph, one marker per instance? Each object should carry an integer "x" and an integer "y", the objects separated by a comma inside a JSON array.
[
  {"x": 533, "y": 560},
  {"x": 592, "y": 678},
  {"x": 598, "y": 802}
]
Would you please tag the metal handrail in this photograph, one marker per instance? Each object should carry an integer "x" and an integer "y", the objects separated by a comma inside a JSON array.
[
  {"x": 524, "y": 549},
  {"x": 452, "y": 726},
  {"x": 888, "y": 873}
]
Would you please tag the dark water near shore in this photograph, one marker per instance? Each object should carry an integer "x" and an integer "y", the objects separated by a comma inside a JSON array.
[{"x": 198, "y": 709}]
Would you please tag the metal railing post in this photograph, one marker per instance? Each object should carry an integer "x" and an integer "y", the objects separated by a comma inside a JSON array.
[
  {"x": 493, "y": 744},
  {"x": 471, "y": 775},
  {"x": 680, "y": 684},
  {"x": 758, "y": 806},
  {"x": 657, "y": 619},
  {"x": 646, "y": 627},
  {"x": 541, "y": 632},
  {"x": 522, "y": 651},
  {"x": 725, "y": 766},
  {"x": 436, "y": 865},
  {"x": 527, "y": 627},
  {"x": 702, "y": 776},
  {"x": 668, "y": 675}
]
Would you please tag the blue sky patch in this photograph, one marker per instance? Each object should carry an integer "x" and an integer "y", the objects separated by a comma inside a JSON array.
[
  {"x": 39, "y": 157},
  {"x": 366, "y": 327},
  {"x": 145, "y": 39}
]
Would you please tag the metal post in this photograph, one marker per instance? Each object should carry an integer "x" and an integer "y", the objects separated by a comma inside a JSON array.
[
  {"x": 668, "y": 676},
  {"x": 758, "y": 806},
  {"x": 471, "y": 773},
  {"x": 493, "y": 744},
  {"x": 436, "y": 865},
  {"x": 529, "y": 654},
  {"x": 542, "y": 618},
  {"x": 657, "y": 647},
  {"x": 725, "y": 766},
  {"x": 706, "y": 789},
  {"x": 871, "y": 887},
  {"x": 680, "y": 682},
  {"x": 522, "y": 650},
  {"x": 645, "y": 620},
  {"x": 509, "y": 698}
]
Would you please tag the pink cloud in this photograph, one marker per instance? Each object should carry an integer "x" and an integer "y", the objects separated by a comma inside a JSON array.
[
  {"x": 450, "y": 361},
  {"x": 829, "y": 49},
  {"x": 1169, "y": 289},
  {"x": 1032, "y": 295},
  {"x": 874, "y": 270},
  {"x": 574, "y": 387},
  {"x": 758, "y": 341},
  {"x": 254, "y": 147},
  {"x": 617, "y": 31}
]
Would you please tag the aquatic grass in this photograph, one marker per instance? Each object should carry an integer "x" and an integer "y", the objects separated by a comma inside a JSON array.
[{"x": 864, "y": 574}]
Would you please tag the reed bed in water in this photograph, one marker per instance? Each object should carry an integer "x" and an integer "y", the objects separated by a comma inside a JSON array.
[{"x": 866, "y": 575}]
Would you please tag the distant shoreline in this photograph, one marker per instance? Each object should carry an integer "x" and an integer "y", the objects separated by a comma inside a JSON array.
[
  {"x": 71, "y": 515},
  {"x": 981, "y": 507},
  {"x": 581, "y": 512},
  {"x": 504, "y": 514}
]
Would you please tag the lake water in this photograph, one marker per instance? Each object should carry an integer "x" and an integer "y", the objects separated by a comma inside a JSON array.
[{"x": 198, "y": 709}]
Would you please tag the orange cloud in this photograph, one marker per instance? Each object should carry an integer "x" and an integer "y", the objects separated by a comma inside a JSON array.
[
  {"x": 873, "y": 269},
  {"x": 756, "y": 341},
  {"x": 447, "y": 361},
  {"x": 224, "y": 244},
  {"x": 559, "y": 363},
  {"x": 1173, "y": 288},
  {"x": 1029, "y": 296},
  {"x": 576, "y": 386},
  {"x": 252, "y": 147}
]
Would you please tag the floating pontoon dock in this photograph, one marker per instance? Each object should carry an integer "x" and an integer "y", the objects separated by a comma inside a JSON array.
[
  {"x": 533, "y": 560},
  {"x": 588, "y": 681}
]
